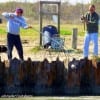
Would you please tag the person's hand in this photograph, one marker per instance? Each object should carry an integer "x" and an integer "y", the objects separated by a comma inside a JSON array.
[{"x": 83, "y": 18}]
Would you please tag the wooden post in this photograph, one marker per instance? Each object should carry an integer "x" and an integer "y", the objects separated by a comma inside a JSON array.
[{"x": 74, "y": 38}]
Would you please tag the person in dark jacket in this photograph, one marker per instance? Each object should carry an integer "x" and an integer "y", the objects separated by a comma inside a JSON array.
[{"x": 91, "y": 20}]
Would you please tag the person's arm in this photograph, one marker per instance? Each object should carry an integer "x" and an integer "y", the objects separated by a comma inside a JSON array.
[
  {"x": 8, "y": 15},
  {"x": 22, "y": 23},
  {"x": 95, "y": 20}
]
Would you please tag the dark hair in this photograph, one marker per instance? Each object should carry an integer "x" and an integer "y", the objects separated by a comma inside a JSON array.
[
  {"x": 19, "y": 10},
  {"x": 92, "y": 5}
]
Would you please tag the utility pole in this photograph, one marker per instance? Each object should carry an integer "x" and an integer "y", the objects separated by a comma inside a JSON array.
[{"x": 83, "y": 13}]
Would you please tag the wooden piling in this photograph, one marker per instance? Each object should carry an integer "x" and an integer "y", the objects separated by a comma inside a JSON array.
[{"x": 74, "y": 38}]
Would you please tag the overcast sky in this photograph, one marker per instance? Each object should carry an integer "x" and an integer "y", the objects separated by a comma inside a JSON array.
[{"x": 71, "y": 1}]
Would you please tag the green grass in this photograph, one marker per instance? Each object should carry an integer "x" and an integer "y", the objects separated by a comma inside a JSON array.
[
  {"x": 36, "y": 49},
  {"x": 2, "y": 31},
  {"x": 66, "y": 29}
]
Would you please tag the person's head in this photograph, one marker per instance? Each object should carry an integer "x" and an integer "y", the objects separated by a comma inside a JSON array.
[
  {"x": 19, "y": 11},
  {"x": 92, "y": 8}
]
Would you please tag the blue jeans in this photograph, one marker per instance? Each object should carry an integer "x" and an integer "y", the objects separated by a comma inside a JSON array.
[
  {"x": 90, "y": 37},
  {"x": 14, "y": 40}
]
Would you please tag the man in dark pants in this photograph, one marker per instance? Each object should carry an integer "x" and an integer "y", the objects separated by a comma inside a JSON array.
[
  {"x": 14, "y": 22},
  {"x": 92, "y": 20}
]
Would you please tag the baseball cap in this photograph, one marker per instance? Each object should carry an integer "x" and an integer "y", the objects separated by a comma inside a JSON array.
[{"x": 19, "y": 10}]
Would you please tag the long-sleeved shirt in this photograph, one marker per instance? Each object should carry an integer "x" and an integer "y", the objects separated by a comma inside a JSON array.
[
  {"x": 14, "y": 23},
  {"x": 93, "y": 21}
]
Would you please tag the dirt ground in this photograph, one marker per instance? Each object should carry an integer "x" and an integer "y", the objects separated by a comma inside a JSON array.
[{"x": 28, "y": 45}]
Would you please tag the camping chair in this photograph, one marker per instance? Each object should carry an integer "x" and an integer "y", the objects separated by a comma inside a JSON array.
[
  {"x": 56, "y": 45},
  {"x": 52, "y": 41}
]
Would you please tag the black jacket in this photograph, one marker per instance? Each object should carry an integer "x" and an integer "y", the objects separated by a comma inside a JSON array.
[{"x": 93, "y": 21}]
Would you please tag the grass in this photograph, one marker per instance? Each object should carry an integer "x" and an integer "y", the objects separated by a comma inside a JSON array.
[
  {"x": 2, "y": 31},
  {"x": 66, "y": 29},
  {"x": 36, "y": 49},
  {"x": 31, "y": 34}
]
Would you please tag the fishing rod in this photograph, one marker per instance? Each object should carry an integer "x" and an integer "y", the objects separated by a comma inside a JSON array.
[{"x": 83, "y": 17}]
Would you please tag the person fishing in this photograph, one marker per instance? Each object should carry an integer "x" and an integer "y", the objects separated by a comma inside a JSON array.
[
  {"x": 14, "y": 22},
  {"x": 91, "y": 20}
]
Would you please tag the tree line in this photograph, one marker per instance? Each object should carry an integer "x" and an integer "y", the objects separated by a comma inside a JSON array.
[{"x": 69, "y": 13}]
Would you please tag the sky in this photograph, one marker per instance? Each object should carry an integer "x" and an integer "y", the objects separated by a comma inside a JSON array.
[
  {"x": 79, "y": 1},
  {"x": 70, "y": 1}
]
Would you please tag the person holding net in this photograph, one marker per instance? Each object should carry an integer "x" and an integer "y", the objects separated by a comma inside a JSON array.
[{"x": 14, "y": 22}]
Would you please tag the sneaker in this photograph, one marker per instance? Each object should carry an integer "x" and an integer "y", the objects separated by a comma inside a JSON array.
[{"x": 49, "y": 47}]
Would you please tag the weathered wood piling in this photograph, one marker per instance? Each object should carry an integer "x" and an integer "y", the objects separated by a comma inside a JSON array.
[{"x": 80, "y": 77}]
